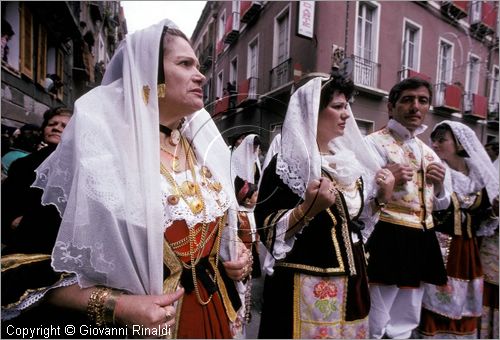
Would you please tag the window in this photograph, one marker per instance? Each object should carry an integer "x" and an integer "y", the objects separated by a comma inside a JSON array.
[
  {"x": 11, "y": 46},
  {"x": 494, "y": 90},
  {"x": 445, "y": 62},
  {"x": 411, "y": 46},
  {"x": 365, "y": 126},
  {"x": 60, "y": 72},
  {"x": 366, "y": 68},
  {"x": 252, "y": 70},
  {"x": 26, "y": 36},
  {"x": 220, "y": 85},
  {"x": 281, "y": 37},
  {"x": 472, "y": 80},
  {"x": 222, "y": 26},
  {"x": 366, "y": 31},
  {"x": 233, "y": 71},
  {"x": 475, "y": 11}
]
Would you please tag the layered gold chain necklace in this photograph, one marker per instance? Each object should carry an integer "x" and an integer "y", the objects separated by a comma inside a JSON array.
[{"x": 197, "y": 205}]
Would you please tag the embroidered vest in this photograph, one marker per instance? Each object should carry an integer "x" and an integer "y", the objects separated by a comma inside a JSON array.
[{"x": 411, "y": 203}]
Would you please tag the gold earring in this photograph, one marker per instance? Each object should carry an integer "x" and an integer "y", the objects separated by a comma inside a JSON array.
[{"x": 162, "y": 89}]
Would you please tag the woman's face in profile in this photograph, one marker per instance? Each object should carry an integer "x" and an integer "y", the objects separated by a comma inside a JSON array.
[
  {"x": 332, "y": 119},
  {"x": 444, "y": 145},
  {"x": 184, "y": 93}
]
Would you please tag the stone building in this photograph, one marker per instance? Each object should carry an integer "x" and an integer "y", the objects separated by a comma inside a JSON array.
[{"x": 262, "y": 48}]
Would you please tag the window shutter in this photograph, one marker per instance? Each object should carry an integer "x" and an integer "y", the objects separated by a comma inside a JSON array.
[
  {"x": 26, "y": 41},
  {"x": 41, "y": 67}
]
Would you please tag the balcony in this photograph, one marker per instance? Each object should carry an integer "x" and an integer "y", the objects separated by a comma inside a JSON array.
[
  {"x": 483, "y": 21},
  {"x": 249, "y": 10},
  {"x": 476, "y": 105},
  {"x": 232, "y": 30},
  {"x": 409, "y": 73},
  {"x": 454, "y": 9},
  {"x": 448, "y": 97},
  {"x": 281, "y": 74},
  {"x": 206, "y": 56},
  {"x": 247, "y": 91},
  {"x": 366, "y": 72},
  {"x": 221, "y": 105}
]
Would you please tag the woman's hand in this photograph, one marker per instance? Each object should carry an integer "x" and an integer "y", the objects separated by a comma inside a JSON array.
[
  {"x": 320, "y": 195},
  {"x": 239, "y": 269},
  {"x": 148, "y": 311},
  {"x": 385, "y": 180}
]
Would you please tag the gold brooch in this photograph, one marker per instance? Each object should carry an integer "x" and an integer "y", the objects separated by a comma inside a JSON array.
[{"x": 145, "y": 94}]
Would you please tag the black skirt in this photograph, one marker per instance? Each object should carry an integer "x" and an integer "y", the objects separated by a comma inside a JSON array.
[{"x": 404, "y": 256}]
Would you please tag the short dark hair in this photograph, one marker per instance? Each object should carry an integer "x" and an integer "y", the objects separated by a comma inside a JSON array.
[
  {"x": 335, "y": 83},
  {"x": 408, "y": 83},
  {"x": 242, "y": 195},
  {"x": 56, "y": 111},
  {"x": 440, "y": 130}
]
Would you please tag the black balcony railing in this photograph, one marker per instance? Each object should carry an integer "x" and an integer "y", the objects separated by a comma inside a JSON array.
[
  {"x": 366, "y": 72},
  {"x": 281, "y": 74}
]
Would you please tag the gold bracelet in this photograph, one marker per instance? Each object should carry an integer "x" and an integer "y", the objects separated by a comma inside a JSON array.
[
  {"x": 306, "y": 218},
  {"x": 109, "y": 306},
  {"x": 95, "y": 306}
]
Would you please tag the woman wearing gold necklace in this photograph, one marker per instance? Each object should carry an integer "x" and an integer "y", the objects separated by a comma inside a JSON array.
[
  {"x": 471, "y": 293},
  {"x": 148, "y": 241},
  {"x": 311, "y": 198}
]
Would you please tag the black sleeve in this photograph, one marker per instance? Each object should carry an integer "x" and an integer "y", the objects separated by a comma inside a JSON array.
[{"x": 274, "y": 200}]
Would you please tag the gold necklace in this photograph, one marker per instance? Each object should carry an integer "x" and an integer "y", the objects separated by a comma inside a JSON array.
[{"x": 191, "y": 232}]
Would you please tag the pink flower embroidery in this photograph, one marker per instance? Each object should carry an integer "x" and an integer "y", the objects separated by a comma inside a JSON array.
[
  {"x": 325, "y": 290},
  {"x": 322, "y": 333}
]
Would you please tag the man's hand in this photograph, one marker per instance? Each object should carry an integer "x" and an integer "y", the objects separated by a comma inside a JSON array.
[
  {"x": 402, "y": 173},
  {"x": 435, "y": 174}
]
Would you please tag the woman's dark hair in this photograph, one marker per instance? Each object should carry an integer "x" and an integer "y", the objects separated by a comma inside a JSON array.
[
  {"x": 256, "y": 142},
  {"x": 7, "y": 29},
  {"x": 57, "y": 111},
  {"x": 243, "y": 190},
  {"x": 335, "y": 83},
  {"x": 408, "y": 83},
  {"x": 166, "y": 35},
  {"x": 439, "y": 132}
]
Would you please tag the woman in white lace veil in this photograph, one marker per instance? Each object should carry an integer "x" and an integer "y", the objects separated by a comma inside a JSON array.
[
  {"x": 310, "y": 202},
  {"x": 455, "y": 309},
  {"x": 120, "y": 216}
]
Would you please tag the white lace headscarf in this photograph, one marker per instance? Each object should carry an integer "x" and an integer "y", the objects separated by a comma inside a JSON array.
[
  {"x": 299, "y": 160},
  {"x": 479, "y": 160},
  {"x": 244, "y": 159},
  {"x": 104, "y": 176}
]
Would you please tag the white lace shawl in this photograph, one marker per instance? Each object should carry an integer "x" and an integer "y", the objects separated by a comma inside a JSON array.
[{"x": 104, "y": 175}]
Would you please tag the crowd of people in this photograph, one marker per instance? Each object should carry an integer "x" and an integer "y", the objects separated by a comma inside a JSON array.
[{"x": 139, "y": 221}]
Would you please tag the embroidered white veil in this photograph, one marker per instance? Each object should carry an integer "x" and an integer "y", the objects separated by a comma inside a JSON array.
[
  {"x": 243, "y": 159},
  {"x": 478, "y": 156},
  {"x": 299, "y": 160},
  {"x": 104, "y": 176}
]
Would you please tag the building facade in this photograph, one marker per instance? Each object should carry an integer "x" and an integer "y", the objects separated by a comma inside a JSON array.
[
  {"x": 53, "y": 53},
  {"x": 254, "y": 53}
]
